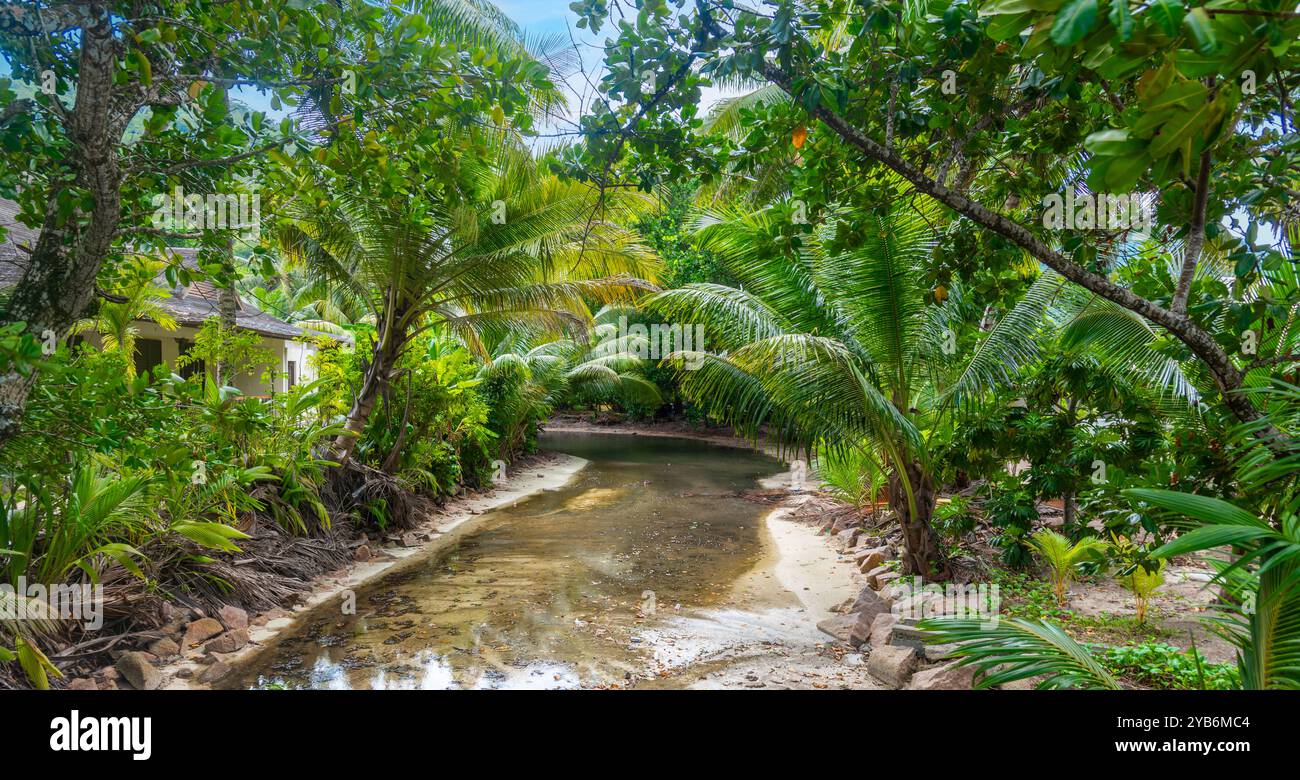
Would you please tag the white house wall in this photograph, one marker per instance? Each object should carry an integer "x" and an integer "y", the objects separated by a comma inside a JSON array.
[{"x": 249, "y": 383}]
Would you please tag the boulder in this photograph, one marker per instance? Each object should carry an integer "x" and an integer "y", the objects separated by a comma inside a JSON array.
[
  {"x": 883, "y": 580},
  {"x": 137, "y": 670},
  {"x": 846, "y": 522},
  {"x": 362, "y": 553},
  {"x": 851, "y": 628},
  {"x": 934, "y": 653},
  {"x": 870, "y": 562},
  {"x": 882, "y": 628},
  {"x": 228, "y": 642},
  {"x": 216, "y": 671},
  {"x": 165, "y": 648},
  {"x": 906, "y": 634},
  {"x": 874, "y": 574},
  {"x": 949, "y": 677},
  {"x": 200, "y": 631},
  {"x": 233, "y": 618},
  {"x": 891, "y": 665},
  {"x": 845, "y": 539},
  {"x": 870, "y": 603}
]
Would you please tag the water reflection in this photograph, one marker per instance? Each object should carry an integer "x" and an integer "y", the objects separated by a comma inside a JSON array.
[{"x": 552, "y": 592}]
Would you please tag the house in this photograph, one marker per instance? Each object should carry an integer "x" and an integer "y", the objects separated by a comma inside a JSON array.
[{"x": 191, "y": 306}]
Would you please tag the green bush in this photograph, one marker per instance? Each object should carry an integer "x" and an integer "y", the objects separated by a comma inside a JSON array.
[{"x": 1163, "y": 666}]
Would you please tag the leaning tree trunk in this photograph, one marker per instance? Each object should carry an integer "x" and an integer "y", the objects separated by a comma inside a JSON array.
[
  {"x": 923, "y": 553},
  {"x": 383, "y": 365}
]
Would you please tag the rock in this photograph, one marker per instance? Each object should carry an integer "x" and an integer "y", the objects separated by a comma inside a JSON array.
[
  {"x": 844, "y": 539},
  {"x": 139, "y": 672},
  {"x": 362, "y": 553},
  {"x": 949, "y": 677},
  {"x": 851, "y": 628},
  {"x": 853, "y": 659},
  {"x": 883, "y": 580},
  {"x": 185, "y": 672},
  {"x": 916, "y": 606},
  {"x": 874, "y": 574},
  {"x": 906, "y": 634},
  {"x": 108, "y": 673},
  {"x": 869, "y": 604},
  {"x": 165, "y": 648},
  {"x": 871, "y": 561},
  {"x": 891, "y": 665},
  {"x": 167, "y": 612},
  {"x": 410, "y": 540},
  {"x": 882, "y": 628},
  {"x": 199, "y": 631},
  {"x": 215, "y": 672},
  {"x": 845, "y": 523},
  {"x": 233, "y": 618},
  {"x": 843, "y": 606},
  {"x": 83, "y": 684},
  {"x": 935, "y": 653},
  {"x": 228, "y": 642}
]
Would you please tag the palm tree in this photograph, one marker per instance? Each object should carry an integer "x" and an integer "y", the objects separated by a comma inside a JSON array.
[
  {"x": 135, "y": 299},
  {"x": 519, "y": 248},
  {"x": 1063, "y": 557},
  {"x": 826, "y": 346}
]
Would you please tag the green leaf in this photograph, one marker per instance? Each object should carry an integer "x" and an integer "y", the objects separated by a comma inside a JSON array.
[
  {"x": 1121, "y": 19},
  {"x": 1168, "y": 15},
  {"x": 1198, "y": 25},
  {"x": 1074, "y": 22}
]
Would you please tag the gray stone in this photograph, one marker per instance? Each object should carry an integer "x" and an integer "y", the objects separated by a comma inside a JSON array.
[
  {"x": 891, "y": 665},
  {"x": 233, "y": 618},
  {"x": 137, "y": 670},
  {"x": 948, "y": 677},
  {"x": 906, "y": 634}
]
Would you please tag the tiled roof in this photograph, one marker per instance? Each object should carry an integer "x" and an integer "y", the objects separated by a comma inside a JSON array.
[{"x": 192, "y": 305}]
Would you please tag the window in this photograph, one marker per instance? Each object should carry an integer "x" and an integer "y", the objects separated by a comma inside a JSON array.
[
  {"x": 148, "y": 353},
  {"x": 293, "y": 374},
  {"x": 196, "y": 368}
]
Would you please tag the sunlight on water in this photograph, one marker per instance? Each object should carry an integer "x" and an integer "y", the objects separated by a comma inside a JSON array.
[{"x": 559, "y": 591}]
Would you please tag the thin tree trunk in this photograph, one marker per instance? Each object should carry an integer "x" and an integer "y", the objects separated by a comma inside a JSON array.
[{"x": 923, "y": 552}]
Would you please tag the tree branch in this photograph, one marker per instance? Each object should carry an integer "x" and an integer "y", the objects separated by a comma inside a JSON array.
[{"x": 1202, "y": 344}]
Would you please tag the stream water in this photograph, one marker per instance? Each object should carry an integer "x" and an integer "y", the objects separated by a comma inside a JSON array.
[{"x": 557, "y": 591}]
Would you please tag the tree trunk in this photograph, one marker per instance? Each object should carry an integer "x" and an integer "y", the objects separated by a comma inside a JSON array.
[
  {"x": 383, "y": 364},
  {"x": 923, "y": 553},
  {"x": 59, "y": 281}
]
